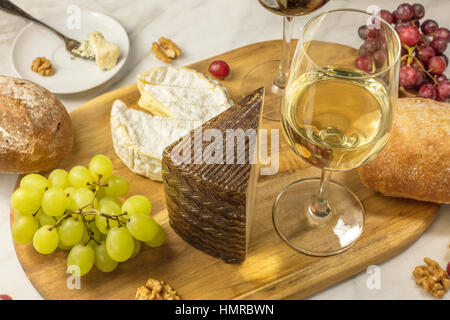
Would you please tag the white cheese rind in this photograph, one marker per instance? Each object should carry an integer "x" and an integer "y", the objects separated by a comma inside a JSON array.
[{"x": 139, "y": 138}]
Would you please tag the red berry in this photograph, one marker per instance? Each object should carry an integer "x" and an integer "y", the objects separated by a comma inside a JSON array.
[
  {"x": 443, "y": 91},
  {"x": 404, "y": 12},
  {"x": 444, "y": 57},
  {"x": 441, "y": 78},
  {"x": 373, "y": 32},
  {"x": 219, "y": 69},
  {"x": 409, "y": 35},
  {"x": 386, "y": 15},
  {"x": 439, "y": 45},
  {"x": 437, "y": 65},
  {"x": 425, "y": 53},
  {"x": 5, "y": 297},
  {"x": 399, "y": 26},
  {"x": 428, "y": 91},
  {"x": 429, "y": 26},
  {"x": 364, "y": 63},
  {"x": 448, "y": 269},
  {"x": 419, "y": 11},
  {"x": 408, "y": 77},
  {"x": 362, "y": 32},
  {"x": 421, "y": 78},
  {"x": 442, "y": 33},
  {"x": 379, "y": 57}
]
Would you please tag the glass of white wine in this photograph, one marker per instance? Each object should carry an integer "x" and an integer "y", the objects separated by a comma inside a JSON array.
[{"x": 336, "y": 115}]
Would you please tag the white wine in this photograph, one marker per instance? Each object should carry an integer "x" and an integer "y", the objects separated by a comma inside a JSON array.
[{"x": 336, "y": 119}]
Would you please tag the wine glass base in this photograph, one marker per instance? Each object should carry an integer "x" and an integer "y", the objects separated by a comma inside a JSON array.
[
  {"x": 314, "y": 235},
  {"x": 263, "y": 75}
]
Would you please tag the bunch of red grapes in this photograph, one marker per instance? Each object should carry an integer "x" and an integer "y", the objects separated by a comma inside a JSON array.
[{"x": 423, "y": 61}]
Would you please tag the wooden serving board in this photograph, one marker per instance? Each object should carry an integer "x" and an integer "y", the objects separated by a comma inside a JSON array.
[{"x": 273, "y": 270}]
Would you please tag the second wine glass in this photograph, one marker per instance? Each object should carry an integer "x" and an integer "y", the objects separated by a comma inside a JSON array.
[{"x": 272, "y": 75}]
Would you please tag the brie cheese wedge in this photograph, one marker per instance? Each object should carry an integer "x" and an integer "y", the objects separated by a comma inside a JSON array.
[
  {"x": 139, "y": 138},
  {"x": 106, "y": 53},
  {"x": 181, "y": 93}
]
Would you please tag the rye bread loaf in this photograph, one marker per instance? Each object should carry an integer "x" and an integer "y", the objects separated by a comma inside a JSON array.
[
  {"x": 415, "y": 163},
  {"x": 36, "y": 133}
]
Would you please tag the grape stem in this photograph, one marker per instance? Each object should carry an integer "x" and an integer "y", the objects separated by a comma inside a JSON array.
[{"x": 412, "y": 57}]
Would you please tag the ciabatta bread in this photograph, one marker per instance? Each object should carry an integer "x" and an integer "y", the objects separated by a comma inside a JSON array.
[
  {"x": 36, "y": 133},
  {"x": 416, "y": 161}
]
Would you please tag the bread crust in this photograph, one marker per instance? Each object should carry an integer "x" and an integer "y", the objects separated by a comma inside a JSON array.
[
  {"x": 415, "y": 163},
  {"x": 36, "y": 132}
]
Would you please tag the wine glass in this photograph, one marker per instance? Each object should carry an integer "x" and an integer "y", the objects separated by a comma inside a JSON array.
[
  {"x": 336, "y": 115},
  {"x": 258, "y": 76}
]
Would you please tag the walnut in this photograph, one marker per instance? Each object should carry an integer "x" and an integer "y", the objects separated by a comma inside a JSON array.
[
  {"x": 156, "y": 290},
  {"x": 166, "y": 50},
  {"x": 432, "y": 278},
  {"x": 42, "y": 66}
]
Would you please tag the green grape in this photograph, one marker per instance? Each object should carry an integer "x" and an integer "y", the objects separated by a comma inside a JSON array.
[
  {"x": 101, "y": 193},
  {"x": 142, "y": 227},
  {"x": 103, "y": 261},
  {"x": 158, "y": 240},
  {"x": 72, "y": 206},
  {"x": 137, "y": 248},
  {"x": 100, "y": 165},
  {"x": 35, "y": 181},
  {"x": 91, "y": 231},
  {"x": 119, "y": 244},
  {"x": 24, "y": 228},
  {"x": 26, "y": 200},
  {"x": 137, "y": 204},
  {"x": 109, "y": 206},
  {"x": 82, "y": 258},
  {"x": 63, "y": 247},
  {"x": 117, "y": 186},
  {"x": 45, "y": 219},
  {"x": 45, "y": 241},
  {"x": 54, "y": 201},
  {"x": 83, "y": 198},
  {"x": 71, "y": 231},
  {"x": 102, "y": 225},
  {"x": 80, "y": 176},
  {"x": 59, "y": 178}
]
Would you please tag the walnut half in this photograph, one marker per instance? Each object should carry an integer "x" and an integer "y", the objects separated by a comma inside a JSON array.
[
  {"x": 166, "y": 50},
  {"x": 42, "y": 66},
  {"x": 156, "y": 290},
  {"x": 432, "y": 278}
]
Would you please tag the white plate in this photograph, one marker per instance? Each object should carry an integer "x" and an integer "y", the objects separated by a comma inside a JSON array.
[{"x": 71, "y": 74}]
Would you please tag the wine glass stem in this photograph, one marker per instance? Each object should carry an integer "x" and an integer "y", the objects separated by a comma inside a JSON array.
[
  {"x": 319, "y": 206},
  {"x": 281, "y": 79}
]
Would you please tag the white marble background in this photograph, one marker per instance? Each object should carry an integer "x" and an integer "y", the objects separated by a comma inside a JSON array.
[{"x": 204, "y": 28}]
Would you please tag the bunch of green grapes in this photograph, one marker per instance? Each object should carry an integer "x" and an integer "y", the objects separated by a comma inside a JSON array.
[{"x": 81, "y": 211}]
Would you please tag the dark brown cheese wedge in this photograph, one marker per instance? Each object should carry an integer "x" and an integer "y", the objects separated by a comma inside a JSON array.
[{"x": 210, "y": 203}]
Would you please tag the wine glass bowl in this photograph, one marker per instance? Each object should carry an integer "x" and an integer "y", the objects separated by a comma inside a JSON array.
[{"x": 336, "y": 114}]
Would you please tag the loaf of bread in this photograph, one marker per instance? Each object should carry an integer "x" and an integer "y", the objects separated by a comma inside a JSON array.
[
  {"x": 36, "y": 133},
  {"x": 415, "y": 163}
]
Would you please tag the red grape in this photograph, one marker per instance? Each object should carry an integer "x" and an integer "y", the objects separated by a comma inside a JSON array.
[
  {"x": 379, "y": 57},
  {"x": 441, "y": 78},
  {"x": 408, "y": 77},
  {"x": 364, "y": 63},
  {"x": 409, "y": 35},
  {"x": 444, "y": 57},
  {"x": 425, "y": 53},
  {"x": 442, "y": 33},
  {"x": 404, "y": 12},
  {"x": 362, "y": 32},
  {"x": 443, "y": 91},
  {"x": 399, "y": 26},
  {"x": 419, "y": 11},
  {"x": 373, "y": 32},
  {"x": 439, "y": 45},
  {"x": 421, "y": 78},
  {"x": 429, "y": 26},
  {"x": 428, "y": 91},
  {"x": 370, "y": 45},
  {"x": 219, "y": 69},
  {"x": 437, "y": 64},
  {"x": 386, "y": 15}
]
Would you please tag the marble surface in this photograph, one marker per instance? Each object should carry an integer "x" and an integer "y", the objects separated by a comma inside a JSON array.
[{"x": 204, "y": 28}]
